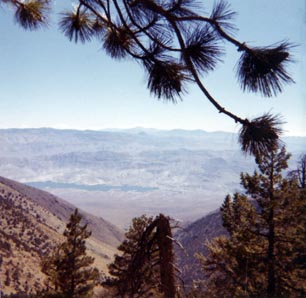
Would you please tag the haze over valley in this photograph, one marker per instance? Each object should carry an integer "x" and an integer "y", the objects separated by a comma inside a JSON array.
[{"x": 120, "y": 174}]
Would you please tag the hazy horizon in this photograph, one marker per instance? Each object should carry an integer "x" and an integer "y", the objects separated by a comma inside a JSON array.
[
  {"x": 142, "y": 128},
  {"x": 48, "y": 81}
]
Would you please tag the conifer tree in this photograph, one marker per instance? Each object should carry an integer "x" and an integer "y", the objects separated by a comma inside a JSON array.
[
  {"x": 265, "y": 226},
  {"x": 145, "y": 266},
  {"x": 300, "y": 175},
  {"x": 69, "y": 268},
  {"x": 127, "y": 283}
]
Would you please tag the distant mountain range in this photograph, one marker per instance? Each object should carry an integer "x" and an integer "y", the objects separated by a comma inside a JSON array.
[
  {"x": 31, "y": 224},
  {"x": 120, "y": 174}
]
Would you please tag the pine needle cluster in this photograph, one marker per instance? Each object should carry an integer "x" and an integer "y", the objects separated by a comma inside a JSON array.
[{"x": 178, "y": 44}]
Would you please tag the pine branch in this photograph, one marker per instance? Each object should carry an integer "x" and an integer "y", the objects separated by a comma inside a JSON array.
[{"x": 261, "y": 135}]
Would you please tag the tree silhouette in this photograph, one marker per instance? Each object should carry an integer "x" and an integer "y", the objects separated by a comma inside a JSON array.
[
  {"x": 266, "y": 226},
  {"x": 176, "y": 44},
  {"x": 68, "y": 267},
  {"x": 129, "y": 279},
  {"x": 30, "y": 14},
  {"x": 145, "y": 267},
  {"x": 300, "y": 172}
]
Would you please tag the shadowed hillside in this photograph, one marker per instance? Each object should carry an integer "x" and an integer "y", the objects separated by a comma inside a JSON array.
[{"x": 193, "y": 239}]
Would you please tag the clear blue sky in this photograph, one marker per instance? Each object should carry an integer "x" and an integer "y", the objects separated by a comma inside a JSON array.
[{"x": 46, "y": 81}]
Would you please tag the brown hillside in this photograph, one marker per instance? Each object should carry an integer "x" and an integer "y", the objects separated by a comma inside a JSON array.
[{"x": 31, "y": 224}]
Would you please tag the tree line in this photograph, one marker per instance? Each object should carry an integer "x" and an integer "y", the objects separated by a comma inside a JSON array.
[{"x": 262, "y": 255}]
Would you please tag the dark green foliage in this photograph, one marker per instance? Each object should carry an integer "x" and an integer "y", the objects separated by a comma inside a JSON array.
[
  {"x": 145, "y": 266},
  {"x": 130, "y": 278},
  {"x": 68, "y": 267},
  {"x": 266, "y": 235},
  {"x": 300, "y": 176}
]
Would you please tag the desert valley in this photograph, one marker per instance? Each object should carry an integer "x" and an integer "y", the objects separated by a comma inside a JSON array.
[{"x": 112, "y": 176}]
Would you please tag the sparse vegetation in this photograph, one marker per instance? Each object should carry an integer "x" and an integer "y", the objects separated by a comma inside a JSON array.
[
  {"x": 25, "y": 238},
  {"x": 262, "y": 254},
  {"x": 68, "y": 268}
]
